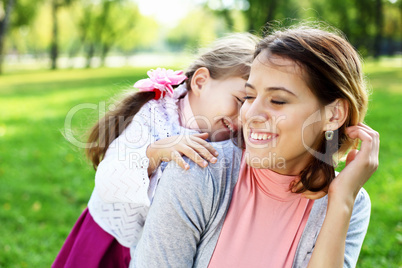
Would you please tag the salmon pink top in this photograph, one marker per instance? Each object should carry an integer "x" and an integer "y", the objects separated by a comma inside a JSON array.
[{"x": 264, "y": 222}]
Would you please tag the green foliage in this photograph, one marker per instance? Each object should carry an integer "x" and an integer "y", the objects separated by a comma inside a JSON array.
[
  {"x": 369, "y": 28},
  {"x": 197, "y": 29},
  {"x": 95, "y": 28},
  {"x": 393, "y": 22},
  {"x": 46, "y": 182},
  {"x": 105, "y": 25},
  {"x": 24, "y": 12},
  {"x": 129, "y": 33}
]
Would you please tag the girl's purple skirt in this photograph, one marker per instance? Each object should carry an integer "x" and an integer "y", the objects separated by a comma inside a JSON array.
[{"x": 88, "y": 245}]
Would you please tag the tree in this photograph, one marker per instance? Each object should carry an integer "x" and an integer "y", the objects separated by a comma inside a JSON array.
[
  {"x": 197, "y": 29},
  {"x": 379, "y": 22},
  {"x": 101, "y": 25},
  {"x": 54, "y": 47},
  {"x": 258, "y": 13},
  {"x": 356, "y": 19},
  {"x": 392, "y": 30},
  {"x": 116, "y": 26},
  {"x": 14, "y": 15},
  {"x": 4, "y": 24}
]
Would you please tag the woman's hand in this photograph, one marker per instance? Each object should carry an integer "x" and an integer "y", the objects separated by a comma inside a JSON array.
[
  {"x": 364, "y": 164},
  {"x": 173, "y": 148},
  {"x": 360, "y": 164},
  {"x": 330, "y": 245}
]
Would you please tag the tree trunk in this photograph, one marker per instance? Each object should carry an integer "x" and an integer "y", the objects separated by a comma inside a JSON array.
[
  {"x": 105, "y": 50},
  {"x": 3, "y": 31},
  {"x": 90, "y": 54},
  {"x": 271, "y": 11},
  {"x": 379, "y": 21},
  {"x": 228, "y": 19},
  {"x": 54, "y": 45},
  {"x": 259, "y": 13}
]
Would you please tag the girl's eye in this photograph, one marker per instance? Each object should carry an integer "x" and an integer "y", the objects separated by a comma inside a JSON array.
[
  {"x": 278, "y": 102},
  {"x": 248, "y": 98}
]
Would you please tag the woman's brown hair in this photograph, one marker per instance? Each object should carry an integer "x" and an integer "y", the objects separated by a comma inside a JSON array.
[
  {"x": 332, "y": 70},
  {"x": 230, "y": 56}
]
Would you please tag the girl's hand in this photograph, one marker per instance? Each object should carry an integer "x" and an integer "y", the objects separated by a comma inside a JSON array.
[
  {"x": 173, "y": 148},
  {"x": 362, "y": 164}
]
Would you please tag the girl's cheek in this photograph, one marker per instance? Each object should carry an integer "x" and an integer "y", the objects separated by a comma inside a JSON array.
[{"x": 242, "y": 112}]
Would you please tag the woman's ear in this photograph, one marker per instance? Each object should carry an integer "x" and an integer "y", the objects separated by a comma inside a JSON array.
[
  {"x": 336, "y": 114},
  {"x": 199, "y": 79}
]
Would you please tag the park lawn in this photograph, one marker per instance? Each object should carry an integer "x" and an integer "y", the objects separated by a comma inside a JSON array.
[{"x": 46, "y": 181}]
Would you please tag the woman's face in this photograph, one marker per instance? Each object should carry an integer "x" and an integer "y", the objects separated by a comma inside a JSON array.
[{"x": 281, "y": 116}]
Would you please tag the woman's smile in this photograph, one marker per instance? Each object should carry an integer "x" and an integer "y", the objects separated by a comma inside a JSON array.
[{"x": 261, "y": 137}]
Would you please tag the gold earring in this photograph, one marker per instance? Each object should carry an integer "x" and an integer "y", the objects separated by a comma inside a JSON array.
[{"x": 329, "y": 135}]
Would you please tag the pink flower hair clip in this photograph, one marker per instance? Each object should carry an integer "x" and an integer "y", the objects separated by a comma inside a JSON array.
[{"x": 161, "y": 81}]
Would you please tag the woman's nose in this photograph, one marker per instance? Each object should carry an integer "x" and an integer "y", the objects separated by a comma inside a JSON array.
[{"x": 256, "y": 112}]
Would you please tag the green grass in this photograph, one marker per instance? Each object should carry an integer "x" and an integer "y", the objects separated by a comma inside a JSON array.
[
  {"x": 46, "y": 182},
  {"x": 383, "y": 243}
]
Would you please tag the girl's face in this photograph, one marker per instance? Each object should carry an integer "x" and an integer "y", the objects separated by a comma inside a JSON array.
[
  {"x": 281, "y": 116},
  {"x": 217, "y": 108}
]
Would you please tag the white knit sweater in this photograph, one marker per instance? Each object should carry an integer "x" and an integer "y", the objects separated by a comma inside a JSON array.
[{"x": 123, "y": 191}]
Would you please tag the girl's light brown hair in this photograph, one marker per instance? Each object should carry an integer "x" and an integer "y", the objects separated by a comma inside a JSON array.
[
  {"x": 230, "y": 56},
  {"x": 332, "y": 70}
]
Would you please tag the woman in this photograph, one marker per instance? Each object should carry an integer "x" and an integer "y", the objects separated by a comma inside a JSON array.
[{"x": 304, "y": 108}]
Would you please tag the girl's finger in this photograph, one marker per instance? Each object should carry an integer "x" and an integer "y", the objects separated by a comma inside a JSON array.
[
  {"x": 199, "y": 141},
  {"x": 203, "y": 136},
  {"x": 204, "y": 152},
  {"x": 193, "y": 155},
  {"x": 176, "y": 156}
]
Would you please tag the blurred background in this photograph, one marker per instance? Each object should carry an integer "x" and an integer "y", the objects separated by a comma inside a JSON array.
[{"x": 57, "y": 55}]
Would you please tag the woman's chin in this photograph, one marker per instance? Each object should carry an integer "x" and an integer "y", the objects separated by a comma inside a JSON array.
[{"x": 269, "y": 160}]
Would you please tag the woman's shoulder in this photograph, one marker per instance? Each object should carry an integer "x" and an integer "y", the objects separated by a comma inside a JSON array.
[
  {"x": 211, "y": 178},
  {"x": 229, "y": 158},
  {"x": 362, "y": 202},
  {"x": 362, "y": 206}
]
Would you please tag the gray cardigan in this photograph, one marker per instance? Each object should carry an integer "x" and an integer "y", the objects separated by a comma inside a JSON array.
[{"x": 189, "y": 208}]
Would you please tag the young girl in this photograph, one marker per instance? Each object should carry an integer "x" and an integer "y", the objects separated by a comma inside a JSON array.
[{"x": 155, "y": 125}]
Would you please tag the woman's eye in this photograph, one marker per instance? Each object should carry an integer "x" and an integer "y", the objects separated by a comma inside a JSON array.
[
  {"x": 248, "y": 98},
  {"x": 278, "y": 102}
]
